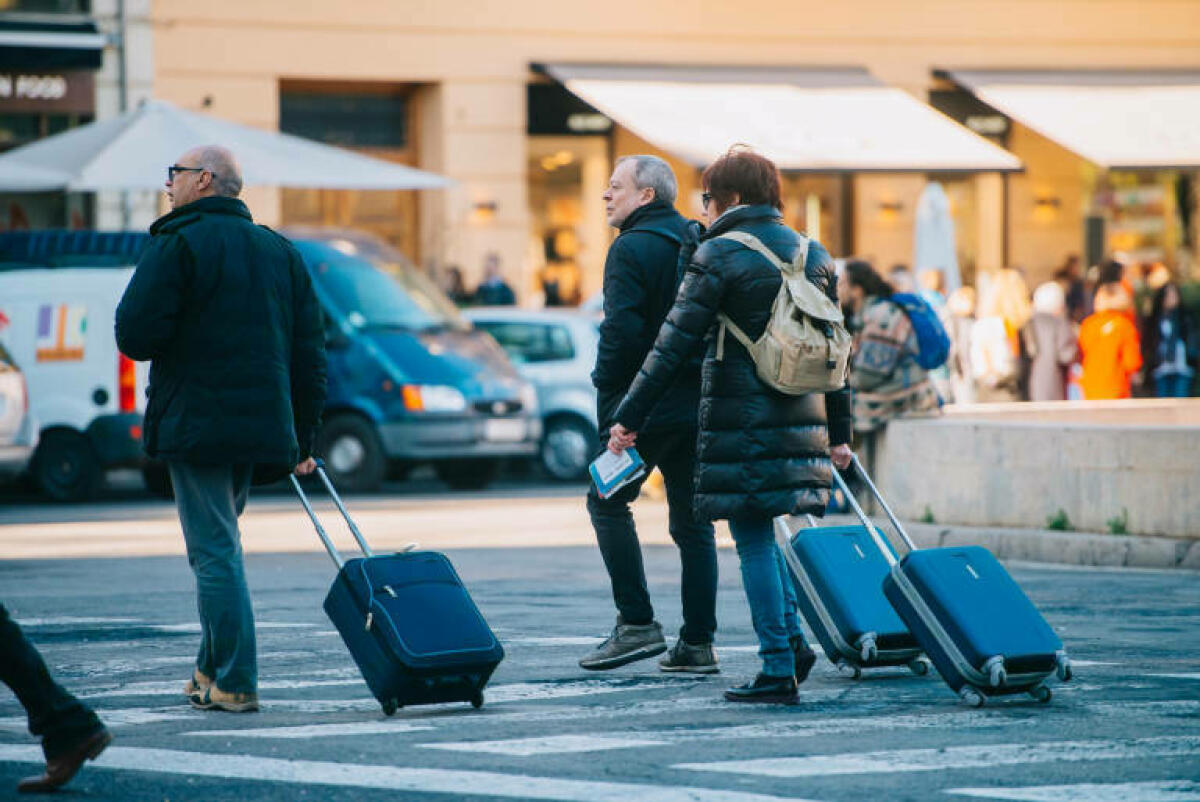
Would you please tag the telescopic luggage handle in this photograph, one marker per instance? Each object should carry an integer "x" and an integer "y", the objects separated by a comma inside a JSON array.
[
  {"x": 862, "y": 516},
  {"x": 329, "y": 547}
]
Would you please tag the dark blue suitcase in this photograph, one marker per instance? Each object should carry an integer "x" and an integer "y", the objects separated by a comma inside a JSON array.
[
  {"x": 408, "y": 622},
  {"x": 836, "y": 570},
  {"x": 984, "y": 635}
]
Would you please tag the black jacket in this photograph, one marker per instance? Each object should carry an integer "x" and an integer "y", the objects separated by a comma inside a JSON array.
[
  {"x": 226, "y": 312},
  {"x": 760, "y": 452},
  {"x": 641, "y": 279}
]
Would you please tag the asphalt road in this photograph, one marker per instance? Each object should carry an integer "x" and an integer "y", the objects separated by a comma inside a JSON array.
[{"x": 121, "y": 632}]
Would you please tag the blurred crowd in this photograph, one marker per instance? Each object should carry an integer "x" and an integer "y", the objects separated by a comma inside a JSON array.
[{"x": 1116, "y": 331}]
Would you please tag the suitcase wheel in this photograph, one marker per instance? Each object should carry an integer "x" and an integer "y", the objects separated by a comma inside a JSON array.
[
  {"x": 997, "y": 676},
  {"x": 847, "y": 670},
  {"x": 1041, "y": 693},
  {"x": 868, "y": 651},
  {"x": 390, "y": 707},
  {"x": 970, "y": 697},
  {"x": 920, "y": 666},
  {"x": 1064, "y": 670},
  {"x": 477, "y": 700}
]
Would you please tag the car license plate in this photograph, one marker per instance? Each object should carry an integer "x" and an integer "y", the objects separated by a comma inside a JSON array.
[{"x": 504, "y": 430}]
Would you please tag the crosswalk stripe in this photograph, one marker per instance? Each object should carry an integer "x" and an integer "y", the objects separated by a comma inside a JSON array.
[
  {"x": 956, "y": 757},
  {"x": 547, "y": 745},
  {"x": 1169, "y": 791},
  {"x": 318, "y": 730},
  {"x": 72, "y": 620},
  {"x": 116, "y": 718},
  {"x": 1177, "y": 676},
  {"x": 391, "y": 778}
]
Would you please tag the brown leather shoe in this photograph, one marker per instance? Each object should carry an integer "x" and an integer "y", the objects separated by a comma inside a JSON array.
[
  {"x": 213, "y": 698},
  {"x": 61, "y": 769}
]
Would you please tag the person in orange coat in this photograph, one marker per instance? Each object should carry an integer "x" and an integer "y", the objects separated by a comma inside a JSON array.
[{"x": 1111, "y": 348}]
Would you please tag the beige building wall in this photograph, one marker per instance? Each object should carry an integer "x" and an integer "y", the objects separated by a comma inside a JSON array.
[{"x": 474, "y": 57}]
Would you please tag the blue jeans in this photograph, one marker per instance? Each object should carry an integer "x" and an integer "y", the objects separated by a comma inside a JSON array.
[
  {"x": 210, "y": 498},
  {"x": 769, "y": 591},
  {"x": 1173, "y": 385}
]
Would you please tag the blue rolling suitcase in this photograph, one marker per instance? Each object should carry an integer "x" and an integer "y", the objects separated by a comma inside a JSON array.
[
  {"x": 408, "y": 622},
  {"x": 836, "y": 571},
  {"x": 982, "y": 632}
]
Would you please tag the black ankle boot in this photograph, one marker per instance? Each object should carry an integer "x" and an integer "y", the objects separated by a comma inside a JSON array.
[
  {"x": 765, "y": 689},
  {"x": 805, "y": 657}
]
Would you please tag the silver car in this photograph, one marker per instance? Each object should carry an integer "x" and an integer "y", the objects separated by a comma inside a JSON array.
[
  {"x": 556, "y": 351},
  {"x": 18, "y": 432}
]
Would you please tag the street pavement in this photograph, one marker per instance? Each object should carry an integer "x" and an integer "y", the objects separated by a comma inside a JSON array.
[{"x": 121, "y": 632}]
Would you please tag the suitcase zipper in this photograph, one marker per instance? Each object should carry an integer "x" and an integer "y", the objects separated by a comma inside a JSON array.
[{"x": 370, "y": 620}]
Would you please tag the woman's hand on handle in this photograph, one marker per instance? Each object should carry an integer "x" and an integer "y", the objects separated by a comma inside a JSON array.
[{"x": 841, "y": 456}]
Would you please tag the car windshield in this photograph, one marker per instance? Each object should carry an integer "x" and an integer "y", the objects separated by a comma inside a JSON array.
[{"x": 377, "y": 288}]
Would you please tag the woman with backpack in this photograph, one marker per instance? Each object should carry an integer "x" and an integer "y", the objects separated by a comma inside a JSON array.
[
  {"x": 760, "y": 452},
  {"x": 886, "y": 377}
]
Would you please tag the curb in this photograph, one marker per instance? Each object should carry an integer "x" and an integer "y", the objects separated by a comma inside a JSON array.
[{"x": 1061, "y": 548}]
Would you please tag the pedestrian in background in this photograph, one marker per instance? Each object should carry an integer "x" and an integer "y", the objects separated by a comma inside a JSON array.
[
  {"x": 641, "y": 278},
  {"x": 761, "y": 453},
  {"x": 1070, "y": 278},
  {"x": 884, "y": 374},
  {"x": 933, "y": 292},
  {"x": 226, "y": 312},
  {"x": 70, "y": 731},
  {"x": 1170, "y": 347},
  {"x": 1110, "y": 346},
  {"x": 961, "y": 306},
  {"x": 995, "y": 341},
  {"x": 1049, "y": 344},
  {"x": 494, "y": 290}
]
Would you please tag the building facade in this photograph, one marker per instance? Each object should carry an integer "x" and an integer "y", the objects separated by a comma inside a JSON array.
[{"x": 456, "y": 89}]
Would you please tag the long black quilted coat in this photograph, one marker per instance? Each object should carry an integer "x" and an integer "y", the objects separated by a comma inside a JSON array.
[{"x": 761, "y": 453}]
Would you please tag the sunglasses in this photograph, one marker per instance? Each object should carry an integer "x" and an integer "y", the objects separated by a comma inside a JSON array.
[{"x": 175, "y": 170}]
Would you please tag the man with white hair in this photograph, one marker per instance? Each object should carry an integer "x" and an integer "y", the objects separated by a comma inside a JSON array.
[
  {"x": 641, "y": 277},
  {"x": 225, "y": 311}
]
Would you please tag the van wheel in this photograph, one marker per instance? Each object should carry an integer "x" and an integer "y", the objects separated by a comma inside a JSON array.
[
  {"x": 157, "y": 479},
  {"x": 65, "y": 467},
  {"x": 353, "y": 455},
  {"x": 566, "y": 448},
  {"x": 468, "y": 474}
]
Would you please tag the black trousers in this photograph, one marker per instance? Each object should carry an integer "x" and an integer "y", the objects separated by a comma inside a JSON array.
[
  {"x": 57, "y": 717},
  {"x": 673, "y": 452}
]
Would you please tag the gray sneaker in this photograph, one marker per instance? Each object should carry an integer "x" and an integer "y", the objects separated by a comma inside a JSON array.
[
  {"x": 628, "y": 642},
  {"x": 690, "y": 658}
]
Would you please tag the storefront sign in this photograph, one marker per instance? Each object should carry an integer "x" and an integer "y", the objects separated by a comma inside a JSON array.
[
  {"x": 973, "y": 113},
  {"x": 556, "y": 112},
  {"x": 66, "y": 92}
]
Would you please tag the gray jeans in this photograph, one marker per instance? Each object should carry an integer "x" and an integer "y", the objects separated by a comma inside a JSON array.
[{"x": 209, "y": 499}]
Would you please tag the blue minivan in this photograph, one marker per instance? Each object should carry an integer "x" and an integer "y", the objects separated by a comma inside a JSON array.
[{"x": 410, "y": 380}]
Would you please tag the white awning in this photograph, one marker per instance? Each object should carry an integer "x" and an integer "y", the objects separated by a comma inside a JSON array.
[
  {"x": 817, "y": 120},
  {"x": 1117, "y": 120}
]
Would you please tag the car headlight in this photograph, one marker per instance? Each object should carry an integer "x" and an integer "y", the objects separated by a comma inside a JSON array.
[
  {"x": 433, "y": 398},
  {"x": 529, "y": 398}
]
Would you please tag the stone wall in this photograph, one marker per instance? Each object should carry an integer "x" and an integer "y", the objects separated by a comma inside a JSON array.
[{"x": 1018, "y": 465}]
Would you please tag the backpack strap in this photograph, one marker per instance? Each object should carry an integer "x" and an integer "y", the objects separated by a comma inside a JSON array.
[{"x": 755, "y": 244}]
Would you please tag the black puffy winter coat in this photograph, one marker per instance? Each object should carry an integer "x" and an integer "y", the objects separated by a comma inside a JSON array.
[
  {"x": 760, "y": 453},
  {"x": 225, "y": 309}
]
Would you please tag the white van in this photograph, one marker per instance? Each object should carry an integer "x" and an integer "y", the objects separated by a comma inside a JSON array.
[{"x": 87, "y": 397}]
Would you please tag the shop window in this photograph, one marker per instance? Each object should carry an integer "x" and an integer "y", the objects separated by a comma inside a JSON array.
[{"x": 374, "y": 117}]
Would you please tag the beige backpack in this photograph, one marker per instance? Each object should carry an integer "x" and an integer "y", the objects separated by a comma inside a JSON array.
[{"x": 805, "y": 347}]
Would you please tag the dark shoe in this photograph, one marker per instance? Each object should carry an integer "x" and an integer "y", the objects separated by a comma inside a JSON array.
[
  {"x": 213, "y": 698},
  {"x": 767, "y": 690},
  {"x": 805, "y": 657},
  {"x": 60, "y": 770},
  {"x": 690, "y": 658},
  {"x": 628, "y": 642}
]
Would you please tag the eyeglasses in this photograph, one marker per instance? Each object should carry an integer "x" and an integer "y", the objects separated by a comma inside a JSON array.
[
  {"x": 175, "y": 169},
  {"x": 706, "y": 199}
]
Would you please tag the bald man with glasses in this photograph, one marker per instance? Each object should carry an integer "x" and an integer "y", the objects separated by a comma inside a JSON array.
[{"x": 225, "y": 311}]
